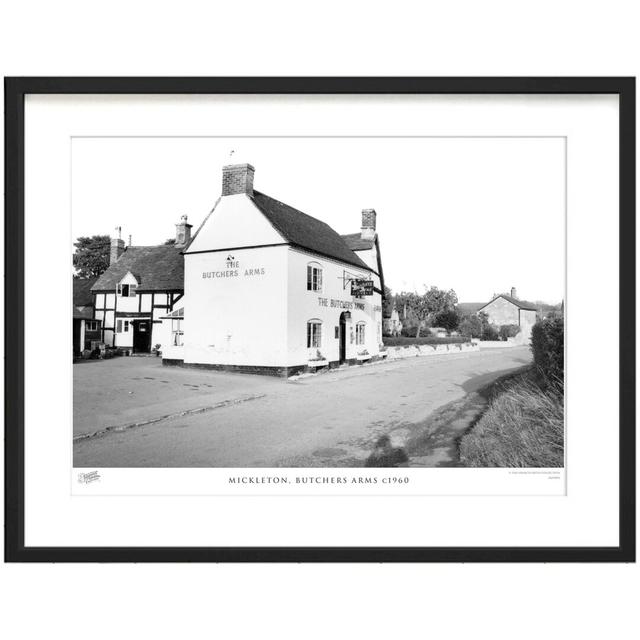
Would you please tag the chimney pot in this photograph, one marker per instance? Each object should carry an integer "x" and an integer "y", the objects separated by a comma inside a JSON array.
[
  {"x": 514, "y": 293},
  {"x": 368, "y": 230},
  {"x": 237, "y": 178},
  {"x": 117, "y": 249}
]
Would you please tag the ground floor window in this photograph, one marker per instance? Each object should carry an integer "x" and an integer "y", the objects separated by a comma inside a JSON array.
[
  {"x": 91, "y": 325},
  {"x": 122, "y": 326},
  {"x": 176, "y": 332},
  {"x": 314, "y": 334},
  {"x": 360, "y": 333}
]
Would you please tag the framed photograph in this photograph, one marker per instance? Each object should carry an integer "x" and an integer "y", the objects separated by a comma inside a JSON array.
[{"x": 320, "y": 319}]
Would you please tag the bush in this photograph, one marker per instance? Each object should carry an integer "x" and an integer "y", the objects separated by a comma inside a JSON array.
[
  {"x": 547, "y": 345},
  {"x": 471, "y": 326},
  {"x": 509, "y": 331},
  {"x": 523, "y": 427},
  {"x": 489, "y": 332},
  {"x": 449, "y": 320},
  {"x": 408, "y": 331}
]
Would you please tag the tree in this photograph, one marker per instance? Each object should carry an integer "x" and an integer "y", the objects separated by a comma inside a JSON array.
[
  {"x": 91, "y": 258},
  {"x": 170, "y": 241},
  {"x": 471, "y": 326},
  {"x": 427, "y": 306},
  {"x": 448, "y": 320}
]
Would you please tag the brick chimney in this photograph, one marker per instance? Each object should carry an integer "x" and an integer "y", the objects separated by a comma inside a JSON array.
[
  {"x": 237, "y": 178},
  {"x": 183, "y": 231},
  {"x": 117, "y": 249},
  {"x": 368, "y": 230},
  {"x": 514, "y": 293}
]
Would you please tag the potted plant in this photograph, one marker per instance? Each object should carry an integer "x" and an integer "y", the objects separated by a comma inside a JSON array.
[{"x": 363, "y": 355}]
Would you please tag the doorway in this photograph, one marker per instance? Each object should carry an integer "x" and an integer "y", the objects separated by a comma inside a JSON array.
[
  {"x": 343, "y": 337},
  {"x": 141, "y": 336}
]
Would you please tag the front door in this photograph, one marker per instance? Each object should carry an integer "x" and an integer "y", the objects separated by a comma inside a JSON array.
[
  {"x": 141, "y": 336},
  {"x": 343, "y": 338}
]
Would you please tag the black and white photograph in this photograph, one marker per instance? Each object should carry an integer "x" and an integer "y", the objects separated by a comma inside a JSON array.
[
  {"x": 362, "y": 315},
  {"x": 321, "y": 302}
]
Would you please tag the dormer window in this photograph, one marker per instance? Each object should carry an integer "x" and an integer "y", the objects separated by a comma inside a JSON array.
[
  {"x": 127, "y": 290},
  {"x": 314, "y": 277}
]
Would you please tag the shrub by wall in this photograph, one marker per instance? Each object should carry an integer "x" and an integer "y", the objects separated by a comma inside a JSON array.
[
  {"x": 547, "y": 345},
  {"x": 413, "y": 342},
  {"x": 509, "y": 331}
]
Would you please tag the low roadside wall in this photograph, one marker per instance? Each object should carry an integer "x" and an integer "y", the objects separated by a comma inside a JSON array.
[
  {"x": 500, "y": 344},
  {"x": 393, "y": 353}
]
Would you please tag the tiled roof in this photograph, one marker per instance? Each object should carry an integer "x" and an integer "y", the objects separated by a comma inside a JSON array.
[
  {"x": 82, "y": 313},
  {"x": 157, "y": 268},
  {"x": 304, "y": 231},
  {"x": 522, "y": 304},
  {"x": 355, "y": 242},
  {"x": 82, "y": 291}
]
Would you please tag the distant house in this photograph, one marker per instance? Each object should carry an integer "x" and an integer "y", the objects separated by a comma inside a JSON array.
[
  {"x": 141, "y": 285},
  {"x": 506, "y": 309},
  {"x": 392, "y": 326},
  {"x": 85, "y": 327}
]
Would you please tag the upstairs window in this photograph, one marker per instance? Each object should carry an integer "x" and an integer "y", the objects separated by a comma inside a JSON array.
[
  {"x": 127, "y": 290},
  {"x": 314, "y": 277},
  {"x": 314, "y": 334},
  {"x": 360, "y": 333}
]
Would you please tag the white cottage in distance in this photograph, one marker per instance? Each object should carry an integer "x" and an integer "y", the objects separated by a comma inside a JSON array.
[{"x": 267, "y": 288}]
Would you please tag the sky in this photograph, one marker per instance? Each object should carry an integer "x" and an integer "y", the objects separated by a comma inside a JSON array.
[{"x": 477, "y": 215}]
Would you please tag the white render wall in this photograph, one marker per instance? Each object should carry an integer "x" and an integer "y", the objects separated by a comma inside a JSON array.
[
  {"x": 235, "y": 222},
  {"x": 327, "y": 306},
  {"x": 256, "y": 312},
  {"x": 236, "y": 311}
]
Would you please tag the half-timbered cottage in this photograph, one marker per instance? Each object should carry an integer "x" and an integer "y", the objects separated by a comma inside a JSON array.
[{"x": 141, "y": 285}]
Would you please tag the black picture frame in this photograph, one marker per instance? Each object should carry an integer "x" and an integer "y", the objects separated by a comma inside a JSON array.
[{"x": 15, "y": 91}]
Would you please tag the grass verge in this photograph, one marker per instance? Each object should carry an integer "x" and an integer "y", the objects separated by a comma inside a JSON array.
[{"x": 522, "y": 427}]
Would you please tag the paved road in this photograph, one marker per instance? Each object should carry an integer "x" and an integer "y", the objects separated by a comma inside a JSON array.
[{"x": 330, "y": 419}]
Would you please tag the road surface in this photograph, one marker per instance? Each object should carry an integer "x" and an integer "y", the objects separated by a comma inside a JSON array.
[{"x": 193, "y": 418}]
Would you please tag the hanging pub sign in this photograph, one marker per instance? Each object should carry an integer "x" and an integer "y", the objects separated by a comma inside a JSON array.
[{"x": 361, "y": 288}]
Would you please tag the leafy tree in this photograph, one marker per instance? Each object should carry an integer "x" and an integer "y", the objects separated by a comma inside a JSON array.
[
  {"x": 170, "y": 241},
  {"x": 471, "y": 326},
  {"x": 91, "y": 257},
  {"x": 448, "y": 320},
  {"x": 425, "y": 307}
]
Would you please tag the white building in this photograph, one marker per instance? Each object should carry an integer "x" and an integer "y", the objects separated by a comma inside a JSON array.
[{"x": 268, "y": 289}]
